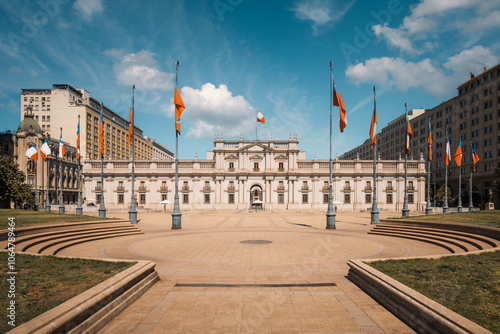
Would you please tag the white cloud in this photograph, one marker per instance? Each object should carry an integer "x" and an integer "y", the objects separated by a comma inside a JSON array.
[
  {"x": 212, "y": 109},
  {"x": 396, "y": 73},
  {"x": 430, "y": 19},
  {"x": 88, "y": 8},
  {"x": 471, "y": 60},
  {"x": 394, "y": 37},
  {"x": 321, "y": 12},
  {"x": 140, "y": 69}
]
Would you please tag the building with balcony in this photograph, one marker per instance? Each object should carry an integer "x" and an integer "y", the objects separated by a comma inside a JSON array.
[{"x": 275, "y": 174}]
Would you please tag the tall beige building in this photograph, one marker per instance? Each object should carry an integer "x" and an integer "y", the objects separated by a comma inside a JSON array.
[
  {"x": 473, "y": 116},
  {"x": 60, "y": 107}
]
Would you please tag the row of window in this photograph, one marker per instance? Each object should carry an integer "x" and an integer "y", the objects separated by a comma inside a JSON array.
[
  {"x": 37, "y": 99},
  {"x": 281, "y": 198}
]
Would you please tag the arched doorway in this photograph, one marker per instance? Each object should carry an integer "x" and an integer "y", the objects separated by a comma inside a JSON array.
[{"x": 256, "y": 197}]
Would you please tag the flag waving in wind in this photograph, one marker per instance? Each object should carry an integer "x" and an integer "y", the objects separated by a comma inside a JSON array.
[
  {"x": 409, "y": 135},
  {"x": 260, "y": 118},
  {"x": 179, "y": 108},
  {"x": 475, "y": 157},
  {"x": 130, "y": 127},
  {"x": 32, "y": 153},
  {"x": 343, "y": 116},
  {"x": 45, "y": 150},
  {"x": 62, "y": 148},
  {"x": 448, "y": 149},
  {"x": 78, "y": 141},
  {"x": 101, "y": 134},
  {"x": 373, "y": 126},
  {"x": 458, "y": 154},
  {"x": 429, "y": 141}
]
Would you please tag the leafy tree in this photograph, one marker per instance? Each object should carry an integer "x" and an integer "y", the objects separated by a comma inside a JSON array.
[
  {"x": 12, "y": 186},
  {"x": 440, "y": 195},
  {"x": 496, "y": 183}
]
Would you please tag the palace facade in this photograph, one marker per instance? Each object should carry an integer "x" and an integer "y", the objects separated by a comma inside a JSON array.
[{"x": 242, "y": 174}]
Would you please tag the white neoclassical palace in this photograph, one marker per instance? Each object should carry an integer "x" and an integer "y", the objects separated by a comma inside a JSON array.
[{"x": 241, "y": 174}]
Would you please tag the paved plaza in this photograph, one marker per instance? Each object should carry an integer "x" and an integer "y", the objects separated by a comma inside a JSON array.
[{"x": 279, "y": 272}]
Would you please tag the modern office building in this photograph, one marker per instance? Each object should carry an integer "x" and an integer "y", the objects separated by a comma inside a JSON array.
[{"x": 241, "y": 174}]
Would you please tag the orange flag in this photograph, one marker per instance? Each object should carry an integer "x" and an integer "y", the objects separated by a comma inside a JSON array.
[
  {"x": 343, "y": 119},
  {"x": 458, "y": 154},
  {"x": 409, "y": 135},
  {"x": 373, "y": 128},
  {"x": 101, "y": 135},
  {"x": 335, "y": 99},
  {"x": 179, "y": 108},
  {"x": 130, "y": 127}
]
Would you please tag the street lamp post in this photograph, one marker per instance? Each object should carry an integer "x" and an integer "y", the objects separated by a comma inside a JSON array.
[{"x": 330, "y": 214}]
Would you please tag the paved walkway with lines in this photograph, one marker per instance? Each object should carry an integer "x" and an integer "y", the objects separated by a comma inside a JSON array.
[{"x": 288, "y": 275}]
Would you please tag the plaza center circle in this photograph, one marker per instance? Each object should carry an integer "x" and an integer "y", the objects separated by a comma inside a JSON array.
[{"x": 225, "y": 248}]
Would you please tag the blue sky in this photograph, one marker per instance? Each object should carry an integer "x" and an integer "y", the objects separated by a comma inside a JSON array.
[{"x": 240, "y": 55}]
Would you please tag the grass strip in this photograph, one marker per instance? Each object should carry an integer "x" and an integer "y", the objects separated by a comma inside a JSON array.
[
  {"x": 468, "y": 285},
  {"x": 481, "y": 218},
  {"x": 25, "y": 218},
  {"x": 43, "y": 282}
]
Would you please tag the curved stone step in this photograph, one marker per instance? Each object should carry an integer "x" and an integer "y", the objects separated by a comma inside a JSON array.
[
  {"x": 452, "y": 248},
  {"x": 39, "y": 248},
  {"x": 34, "y": 240},
  {"x": 484, "y": 239},
  {"x": 59, "y": 247},
  {"x": 463, "y": 238}
]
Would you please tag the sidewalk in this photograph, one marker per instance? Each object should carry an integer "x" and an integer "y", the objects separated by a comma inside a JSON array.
[{"x": 288, "y": 275}]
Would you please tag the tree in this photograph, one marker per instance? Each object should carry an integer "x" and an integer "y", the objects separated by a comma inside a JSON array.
[
  {"x": 440, "y": 195},
  {"x": 496, "y": 183},
  {"x": 12, "y": 186}
]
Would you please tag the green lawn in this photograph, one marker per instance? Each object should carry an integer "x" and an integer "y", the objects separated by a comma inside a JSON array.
[
  {"x": 468, "y": 285},
  {"x": 28, "y": 218},
  {"x": 483, "y": 218},
  {"x": 43, "y": 282}
]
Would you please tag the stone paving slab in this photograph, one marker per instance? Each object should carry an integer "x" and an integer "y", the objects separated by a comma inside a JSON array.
[{"x": 208, "y": 250}]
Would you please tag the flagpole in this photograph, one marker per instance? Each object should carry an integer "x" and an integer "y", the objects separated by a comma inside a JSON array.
[
  {"x": 471, "y": 204},
  {"x": 132, "y": 214},
  {"x": 256, "y": 115},
  {"x": 47, "y": 199},
  {"x": 79, "y": 209},
  {"x": 428, "y": 208},
  {"x": 375, "y": 212},
  {"x": 102, "y": 208},
  {"x": 406, "y": 211},
  {"x": 176, "y": 214},
  {"x": 330, "y": 214},
  {"x": 459, "y": 206},
  {"x": 445, "y": 201},
  {"x": 61, "y": 199}
]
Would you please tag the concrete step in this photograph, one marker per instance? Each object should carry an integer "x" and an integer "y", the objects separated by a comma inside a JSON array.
[
  {"x": 59, "y": 247},
  {"x": 38, "y": 248},
  {"x": 36, "y": 239},
  {"x": 463, "y": 238},
  {"x": 452, "y": 247},
  {"x": 483, "y": 239}
]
